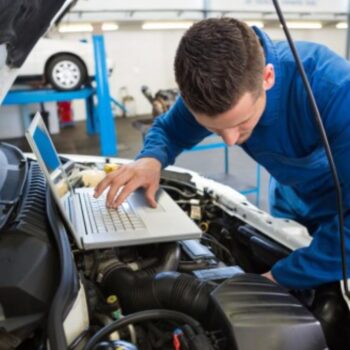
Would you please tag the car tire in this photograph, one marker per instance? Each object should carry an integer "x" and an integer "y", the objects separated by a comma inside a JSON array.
[{"x": 66, "y": 72}]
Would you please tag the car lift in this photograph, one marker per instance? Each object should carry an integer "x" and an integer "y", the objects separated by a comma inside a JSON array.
[
  {"x": 215, "y": 145},
  {"x": 99, "y": 117}
]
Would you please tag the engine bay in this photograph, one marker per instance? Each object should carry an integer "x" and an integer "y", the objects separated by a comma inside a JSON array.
[{"x": 192, "y": 294}]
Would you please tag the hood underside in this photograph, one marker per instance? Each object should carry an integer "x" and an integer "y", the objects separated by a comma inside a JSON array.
[{"x": 22, "y": 23}]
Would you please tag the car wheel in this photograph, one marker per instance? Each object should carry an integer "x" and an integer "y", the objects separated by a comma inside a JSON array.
[{"x": 66, "y": 72}]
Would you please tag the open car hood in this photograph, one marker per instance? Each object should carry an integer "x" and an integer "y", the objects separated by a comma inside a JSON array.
[{"x": 22, "y": 23}]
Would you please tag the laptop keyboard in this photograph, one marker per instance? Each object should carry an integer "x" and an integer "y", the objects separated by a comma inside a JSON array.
[{"x": 103, "y": 219}]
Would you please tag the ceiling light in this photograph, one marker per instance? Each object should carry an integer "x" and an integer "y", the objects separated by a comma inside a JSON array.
[
  {"x": 166, "y": 25},
  {"x": 258, "y": 24},
  {"x": 342, "y": 25},
  {"x": 304, "y": 25},
  {"x": 109, "y": 26},
  {"x": 75, "y": 28}
]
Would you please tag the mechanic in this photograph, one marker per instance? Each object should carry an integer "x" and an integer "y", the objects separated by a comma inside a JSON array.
[{"x": 237, "y": 83}]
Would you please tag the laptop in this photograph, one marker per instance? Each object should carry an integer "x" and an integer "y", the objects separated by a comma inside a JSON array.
[{"x": 92, "y": 224}]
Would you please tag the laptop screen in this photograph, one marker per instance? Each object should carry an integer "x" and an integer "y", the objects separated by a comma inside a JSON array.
[{"x": 43, "y": 147}]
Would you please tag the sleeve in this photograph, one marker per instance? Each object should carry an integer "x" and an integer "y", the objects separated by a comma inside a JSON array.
[
  {"x": 321, "y": 262},
  {"x": 171, "y": 133},
  {"x": 317, "y": 264}
]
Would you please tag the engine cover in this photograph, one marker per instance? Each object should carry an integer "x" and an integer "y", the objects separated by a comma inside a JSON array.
[{"x": 259, "y": 314}]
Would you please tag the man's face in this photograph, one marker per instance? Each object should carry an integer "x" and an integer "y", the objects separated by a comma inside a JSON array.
[{"x": 237, "y": 124}]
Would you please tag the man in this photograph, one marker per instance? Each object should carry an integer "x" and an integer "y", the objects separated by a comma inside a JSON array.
[{"x": 238, "y": 84}]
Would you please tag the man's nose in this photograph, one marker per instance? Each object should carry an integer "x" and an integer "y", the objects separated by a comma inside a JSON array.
[{"x": 230, "y": 136}]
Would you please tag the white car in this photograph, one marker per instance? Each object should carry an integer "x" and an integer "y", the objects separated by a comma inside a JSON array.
[{"x": 65, "y": 64}]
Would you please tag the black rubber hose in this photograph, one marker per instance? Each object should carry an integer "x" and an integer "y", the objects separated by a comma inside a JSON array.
[
  {"x": 68, "y": 287},
  {"x": 142, "y": 316},
  {"x": 189, "y": 266},
  {"x": 167, "y": 290},
  {"x": 169, "y": 261}
]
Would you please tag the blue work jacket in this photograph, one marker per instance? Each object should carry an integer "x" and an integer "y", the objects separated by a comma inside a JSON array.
[{"x": 287, "y": 143}]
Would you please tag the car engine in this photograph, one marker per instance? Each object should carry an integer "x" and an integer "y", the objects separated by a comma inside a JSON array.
[{"x": 194, "y": 294}]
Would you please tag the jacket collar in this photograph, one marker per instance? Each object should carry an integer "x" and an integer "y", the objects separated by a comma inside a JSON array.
[{"x": 273, "y": 98}]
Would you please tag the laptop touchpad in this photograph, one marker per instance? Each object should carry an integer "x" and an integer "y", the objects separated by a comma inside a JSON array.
[{"x": 139, "y": 202}]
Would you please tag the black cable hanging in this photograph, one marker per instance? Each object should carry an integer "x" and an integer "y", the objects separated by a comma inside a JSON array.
[
  {"x": 142, "y": 316},
  {"x": 325, "y": 142}
]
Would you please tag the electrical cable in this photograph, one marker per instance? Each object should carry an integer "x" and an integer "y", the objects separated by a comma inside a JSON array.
[
  {"x": 77, "y": 341},
  {"x": 324, "y": 138},
  {"x": 184, "y": 194},
  {"x": 214, "y": 241},
  {"x": 137, "y": 317}
]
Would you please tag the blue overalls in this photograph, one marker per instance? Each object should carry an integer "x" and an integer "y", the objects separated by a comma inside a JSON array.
[{"x": 287, "y": 143}]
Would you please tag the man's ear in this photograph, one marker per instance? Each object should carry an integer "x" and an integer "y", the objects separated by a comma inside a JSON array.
[{"x": 269, "y": 77}]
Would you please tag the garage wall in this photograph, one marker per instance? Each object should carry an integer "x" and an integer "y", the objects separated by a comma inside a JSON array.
[
  {"x": 146, "y": 58},
  {"x": 331, "y": 37},
  {"x": 142, "y": 58}
]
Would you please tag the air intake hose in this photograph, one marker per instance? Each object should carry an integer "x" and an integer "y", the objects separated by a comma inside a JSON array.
[{"x": 166, "y": 290}]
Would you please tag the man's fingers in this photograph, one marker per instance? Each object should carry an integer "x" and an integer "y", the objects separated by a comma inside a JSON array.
[
  {"x": 142, "y": 173},
  {"x": 269, "y": 276},
  {"x": 101, "y": 187},
  {"x": 129, "y": 188},
  {"x": 150, "y": 195},
  {"x": 107, "y": 181},
  {"x": 117, "y": 183}
]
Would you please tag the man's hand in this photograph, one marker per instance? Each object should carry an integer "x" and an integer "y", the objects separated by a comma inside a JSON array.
[
  {"x": 269, "y": 276},
  {"x": 144, "y": 172}
]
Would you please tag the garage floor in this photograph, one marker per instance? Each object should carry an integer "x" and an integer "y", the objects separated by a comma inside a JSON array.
[{"x": 74, "y": 140}]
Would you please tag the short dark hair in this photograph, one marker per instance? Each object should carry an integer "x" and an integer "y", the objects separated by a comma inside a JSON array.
[{"x": 217, "y": 61}]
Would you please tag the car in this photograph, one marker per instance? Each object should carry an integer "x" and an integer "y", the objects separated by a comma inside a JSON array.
[
  {"x": 64, "y": 64},
  {"x": 205, "y": 293}
]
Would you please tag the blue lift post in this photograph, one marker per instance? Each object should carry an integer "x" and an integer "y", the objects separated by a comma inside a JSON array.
[
  {"x": 215, "y": 145},
  {"x": 255, "y": 189},
  {"x": 108, "y": 136},
  {"x": 99, "y": 118}
]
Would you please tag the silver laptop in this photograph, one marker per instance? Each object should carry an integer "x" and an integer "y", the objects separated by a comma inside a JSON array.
[{"x": 91, "y": 223}]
